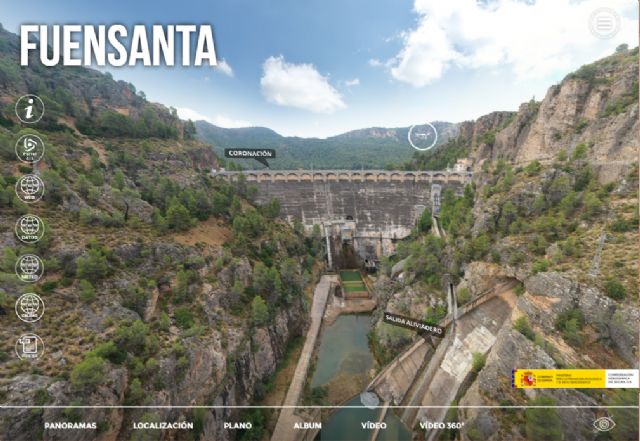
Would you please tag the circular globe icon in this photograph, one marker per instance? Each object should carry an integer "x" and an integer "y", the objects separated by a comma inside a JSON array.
[
  {"x": 29, "y": 228},
  {"x": 29, "y": 307},
  {"x": 29, "y": 265},
  {"x": 30, "y": 185},
  {"x": 29, "y": 268},
  {"x": 29, "y": 188},
  {"x": 30, "y": 224},
  {"x": 29, "y": 304}
]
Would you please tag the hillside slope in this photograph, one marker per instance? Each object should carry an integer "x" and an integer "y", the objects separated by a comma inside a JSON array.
[
  {"x": 553, "y": 209},
  {"x": 162, "y": 286}
]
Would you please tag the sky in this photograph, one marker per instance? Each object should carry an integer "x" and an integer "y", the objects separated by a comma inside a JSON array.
[{"x": 317, "y": 68}]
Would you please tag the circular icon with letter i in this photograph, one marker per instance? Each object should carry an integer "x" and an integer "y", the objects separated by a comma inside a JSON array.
[{"x": 29, "y": 109}]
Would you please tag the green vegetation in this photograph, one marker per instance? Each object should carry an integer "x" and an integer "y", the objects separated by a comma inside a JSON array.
[
  {"x": 184, "y": 317},
  {"x": 543, "y": 423},
  {"x": 615, "y": 289},
  {"x": 425, "y": 221},
  {"x": 316, "y": 396},
  {"x": 259, "y": 311},
  {"x": 570, "y": 324},
  {"x": 89, "y": 373},
  {"x": 425, "y": 258},
  {"x": 523, "y": 327},
  {"x": 355, "y": 150},
  {"x": 257, "y": 419},
  {"x": 624, "y": 412},
  {"x": 464, "y": 295},
  {"x": 439, "y": 158},
  {"x": 94, "y": 265},
  {"x": 478, "y": 361},
  {"x": 87, "y": 291}
]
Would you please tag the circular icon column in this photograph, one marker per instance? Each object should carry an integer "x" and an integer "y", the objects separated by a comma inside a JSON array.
[{"x": 29, "y": 228}]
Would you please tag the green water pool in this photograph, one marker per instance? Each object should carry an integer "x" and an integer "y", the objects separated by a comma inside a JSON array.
[{"x": 344, "y": 348}]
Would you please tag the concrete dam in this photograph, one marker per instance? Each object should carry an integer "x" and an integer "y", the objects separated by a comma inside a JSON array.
[{"x": 370, "y": 209}]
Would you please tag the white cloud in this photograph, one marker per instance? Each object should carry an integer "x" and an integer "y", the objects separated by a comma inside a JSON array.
[
  {"x": 351, "y": 83},
  {"x": 225, "y": 68},
  {"x": 298, "y": 85},
  {"x": 218, "y": 120},
  {"x": 533, "y": 38}
]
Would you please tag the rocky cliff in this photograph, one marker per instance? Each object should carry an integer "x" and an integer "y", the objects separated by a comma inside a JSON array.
[{"x": 596, "y": 106}]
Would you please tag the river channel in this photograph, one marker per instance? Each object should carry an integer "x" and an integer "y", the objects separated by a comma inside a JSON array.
[{"x": 344, "y": 351}]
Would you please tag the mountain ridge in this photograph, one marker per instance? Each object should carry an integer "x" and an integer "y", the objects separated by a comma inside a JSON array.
[{"x": 370, "y": 147}]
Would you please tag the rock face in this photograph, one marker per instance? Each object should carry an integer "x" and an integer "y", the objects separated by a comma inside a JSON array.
[
  {"x": 493, "y": 385},
  {"x": 596, "y": 106},
  {"x": 549, "y": 294}
]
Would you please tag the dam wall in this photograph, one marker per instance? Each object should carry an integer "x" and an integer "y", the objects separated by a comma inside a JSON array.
[{"x": 383, "y": 205}]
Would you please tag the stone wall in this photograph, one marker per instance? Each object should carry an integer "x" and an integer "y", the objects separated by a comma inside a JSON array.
[{"x": 384, "y": 205}]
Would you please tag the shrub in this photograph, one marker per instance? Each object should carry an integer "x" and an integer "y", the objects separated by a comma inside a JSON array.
[
  {"x": 425, "y": 221},
  {"x": 49, "y": 285},
  {"x": 464, "y": 295},
  {"x": 184, "y": 317},
  {"x": 92, "y": 266},
  {"x": 178, "y": 217},
  {"x": 581, "y": 125},
  {"x": 533, "y": 168},
  {"x": 523, "y": 327},
  {"x": 592, "y": 204},
  {"x": 622, "y": 225},
  {"x": 538, "y": 244},
  {"x": 110, "y": 351},
  {"x": 624, "y": 405},
  {"x": 271, "y": 210},
  {"x": 478, "y": 361},
  {"x": 164, "y": 322},
  {"x": 89, "y": 373},
  {"x": 570, "y": 323},
  {"x": 87, "y": 291},
  {"x": 540, "y": 266},
  {"x": 543, "y": 423},
  {"x": 580, "y": 152},
  {"x": 136, "y": 393},
  {"x": 259, "y": 311},
  {"x": 132, "y": 336},
  {"x": 615, "y": 289}
]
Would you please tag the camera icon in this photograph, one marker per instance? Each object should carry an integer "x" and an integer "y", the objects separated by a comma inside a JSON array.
[{"x": 604, "y": 424}]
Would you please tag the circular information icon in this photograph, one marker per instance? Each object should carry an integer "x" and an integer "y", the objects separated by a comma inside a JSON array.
[
  {"x": 30, "y": 188},
  {"x": 30, "y": 149},
  {"x": 29, "y": 228},
  {"x": 422, "y": 136},
  {"x": 29, "y": 347},
  {"x": 29, "y": 307},
  {"x": 604, "y": 23},
  {"x": 29, "y": 109},
  {"x": 29, "y": 268}
]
